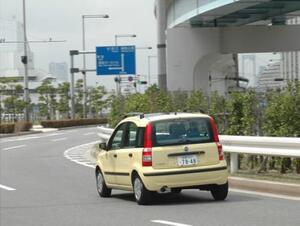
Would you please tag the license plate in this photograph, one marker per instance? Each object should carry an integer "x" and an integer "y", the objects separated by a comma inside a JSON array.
[{"x": 187, "y": 160}]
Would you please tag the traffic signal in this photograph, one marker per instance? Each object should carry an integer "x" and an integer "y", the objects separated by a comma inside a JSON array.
[
  {"x": 24, "y": 59},
  {"x": 143, "y": 82},
  {"x": 117, "y": 79},
  {"x": 130, "y": 78}
]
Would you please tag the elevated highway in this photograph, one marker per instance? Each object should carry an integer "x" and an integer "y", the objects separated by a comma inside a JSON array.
[{"x": 203, "y": 37}]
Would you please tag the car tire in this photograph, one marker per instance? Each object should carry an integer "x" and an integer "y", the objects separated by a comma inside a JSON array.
[
  {"x": 102, "y": 189},
  {"x": 176, "y": 190},
  {"x": 141, "y": 194},
  {"x": 220, "y": 192}
]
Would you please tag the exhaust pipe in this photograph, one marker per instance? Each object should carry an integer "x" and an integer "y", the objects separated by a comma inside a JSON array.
[{"x": 164, "y": 189}]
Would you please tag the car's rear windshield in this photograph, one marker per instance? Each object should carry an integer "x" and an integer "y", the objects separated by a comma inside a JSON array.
[{"x": 181, "y": 131}]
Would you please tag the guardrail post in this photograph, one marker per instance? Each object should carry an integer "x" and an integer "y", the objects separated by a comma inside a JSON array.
[{"x": 233, "y": 162}]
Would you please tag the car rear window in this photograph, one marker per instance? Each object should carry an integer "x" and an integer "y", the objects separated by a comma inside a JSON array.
[{"x": 181, "y": 131}]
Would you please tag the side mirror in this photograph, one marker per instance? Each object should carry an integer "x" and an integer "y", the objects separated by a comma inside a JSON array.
[{"x": 103, "y": 146}]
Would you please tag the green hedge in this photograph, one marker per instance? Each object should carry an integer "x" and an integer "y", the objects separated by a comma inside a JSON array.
[{"x": 72, "y": 122}]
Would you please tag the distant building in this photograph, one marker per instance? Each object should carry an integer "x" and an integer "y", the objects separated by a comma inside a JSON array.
[
  {"x": 59, "y": 70},
  {"x": 270, "y": 78}
]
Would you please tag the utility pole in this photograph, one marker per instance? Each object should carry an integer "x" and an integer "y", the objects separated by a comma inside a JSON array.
[{"x": 25, "y": 62}]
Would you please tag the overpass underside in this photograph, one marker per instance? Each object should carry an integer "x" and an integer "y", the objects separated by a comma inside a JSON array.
[
  {"x": 240, "y": 13},
  {"x": 204, "y": 33}
]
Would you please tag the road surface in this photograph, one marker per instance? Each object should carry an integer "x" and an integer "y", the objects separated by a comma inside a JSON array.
[{"x": 40, "y": 186}]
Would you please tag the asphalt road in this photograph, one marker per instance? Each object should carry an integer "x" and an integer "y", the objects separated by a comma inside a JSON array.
[{"x": 52, "y": 190}]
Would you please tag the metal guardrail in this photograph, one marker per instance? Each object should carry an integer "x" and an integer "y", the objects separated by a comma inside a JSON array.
[{"x": 272, "y": 146}]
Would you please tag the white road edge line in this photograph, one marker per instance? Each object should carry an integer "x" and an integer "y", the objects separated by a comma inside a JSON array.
[
  {"x": 265, "y": 194},
  {"x": 10, "y": 148},
  {"x": 169, "y": 223},
  {"x": 59, "y": 139},
  {"x": 7, "y": 188}
]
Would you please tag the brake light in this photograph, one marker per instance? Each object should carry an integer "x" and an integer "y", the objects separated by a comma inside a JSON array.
[
  {"x": 147, "y": 151},
  {"x": 216, "y": 139},
  {"x": 220, "y": 151}
]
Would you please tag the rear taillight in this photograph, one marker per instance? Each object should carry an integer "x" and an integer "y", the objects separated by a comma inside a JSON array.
[
  {"x": 147, "y": 151},
  {"x": 220, "y": 151},
  {"x": 216, "y": 139}
]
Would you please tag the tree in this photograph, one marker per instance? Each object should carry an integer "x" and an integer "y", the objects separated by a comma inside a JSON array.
[
  {"x": 47, "y": 99},
  {"x": 217, "y": 109},
  {"x": 282, "y": 118},
  {"x": 96, "y": 99},
  {"x": 158, "y": 100},
  {"x": 64, "y": 97},
  {"x": 179, "y": 100},
  {"x": 242, "y": 108},
  {"x": 197, "y": 102},
  {"x": 13, "y": 102},
  {"x": 115, "y": 103}
]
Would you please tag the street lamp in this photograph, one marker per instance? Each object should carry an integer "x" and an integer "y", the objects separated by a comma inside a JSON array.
[
  {"x": 100, "y": 16},
  {"x": 123, "y": 36},
  {"x": 25, "y": 62},
  {"x": 149, "y": 58},
  {"x": 116, "y": 44}
]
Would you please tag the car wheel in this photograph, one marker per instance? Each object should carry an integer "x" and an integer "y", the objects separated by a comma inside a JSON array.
[
  {"x": 176, "y": 190},
  {"x": 219, "y": 192},
  {"x": 102, "y": 189},
  {"x": 141, "y": 194}
]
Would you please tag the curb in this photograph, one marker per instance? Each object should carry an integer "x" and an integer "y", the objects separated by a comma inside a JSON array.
[{"x": 265, "y": 186}]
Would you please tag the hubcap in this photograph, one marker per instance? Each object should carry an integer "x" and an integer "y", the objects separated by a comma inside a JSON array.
[
  {"x": 138, "y": 188},
  {"x": 99, "y": 182}
]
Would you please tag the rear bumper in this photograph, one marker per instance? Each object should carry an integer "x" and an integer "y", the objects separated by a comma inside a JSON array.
[{"x": 154, "y": 180}]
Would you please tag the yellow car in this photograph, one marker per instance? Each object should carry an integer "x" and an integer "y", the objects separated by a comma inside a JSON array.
[{"x": 152, "y": 153}]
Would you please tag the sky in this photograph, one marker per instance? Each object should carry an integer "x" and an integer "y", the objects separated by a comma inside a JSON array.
[{"x": 61, "y": 20}]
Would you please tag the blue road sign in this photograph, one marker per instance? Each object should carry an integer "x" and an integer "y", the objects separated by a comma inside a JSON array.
[{"x": 115, "y": 60}]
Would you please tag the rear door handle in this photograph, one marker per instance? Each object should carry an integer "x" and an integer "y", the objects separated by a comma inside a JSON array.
[{"x": 130, "y": 155}]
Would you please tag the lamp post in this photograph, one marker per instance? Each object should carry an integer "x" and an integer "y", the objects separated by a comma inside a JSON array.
[
  {"x": 116, "y": 44},
  {"x": 100, "y": 16},
  {"x": 25, "y": 62},
  {"x": 149, "y": 58}
]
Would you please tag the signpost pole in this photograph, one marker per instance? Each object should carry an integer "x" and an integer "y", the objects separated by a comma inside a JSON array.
[{"x": 72, "y": 88}]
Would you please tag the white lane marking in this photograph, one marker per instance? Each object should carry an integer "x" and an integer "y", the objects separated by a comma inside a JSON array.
[
  {"x": 14, "y": 147},
  {"x": 59, "y": 139},
  {"x": 169, "y": 223},
  {"x": 31, "y": 137},
  {"x": 265, "y": 194},
  {"x": 76, "y": 154},
  {"x": 86, "y": 134},
  {"x": 7, "y": 188}
]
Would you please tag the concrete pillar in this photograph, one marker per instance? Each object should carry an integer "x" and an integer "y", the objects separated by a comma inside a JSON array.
[
  {"x": 161, "y": 18},
  {"x": 233, "y": 162}
]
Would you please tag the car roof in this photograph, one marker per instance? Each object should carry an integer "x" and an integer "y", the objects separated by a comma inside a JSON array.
[{"x": 143, "y": 119}]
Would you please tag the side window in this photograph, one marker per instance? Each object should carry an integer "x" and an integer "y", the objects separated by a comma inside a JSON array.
[
  {"x": 131, "y": 136},
  {"x": 117, "y": 141}
]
